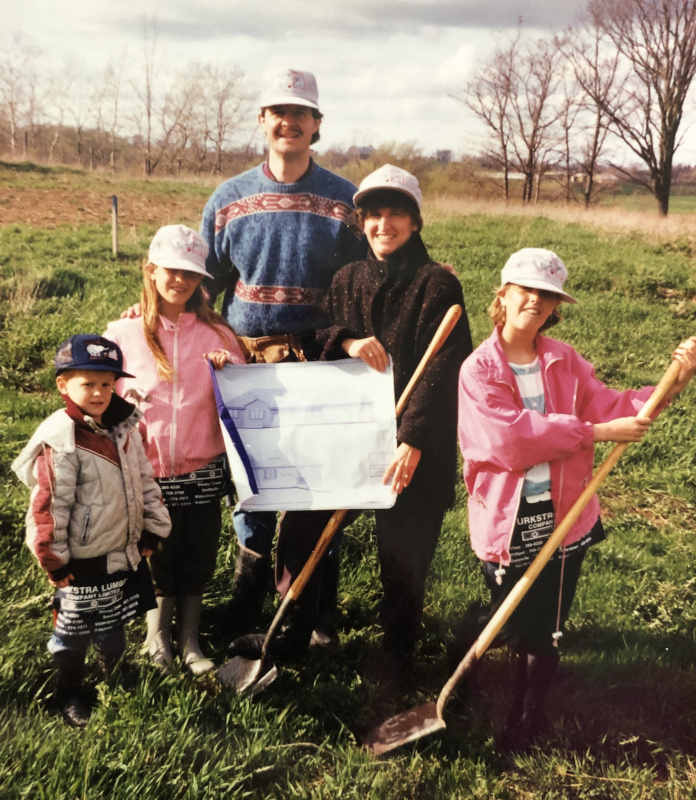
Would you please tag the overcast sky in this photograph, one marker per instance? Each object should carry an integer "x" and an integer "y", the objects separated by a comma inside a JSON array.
[{"x": 385, "y": 68}]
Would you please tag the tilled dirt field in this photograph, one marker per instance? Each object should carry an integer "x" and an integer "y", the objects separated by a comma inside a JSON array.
[{"x": 48, "y": 208}]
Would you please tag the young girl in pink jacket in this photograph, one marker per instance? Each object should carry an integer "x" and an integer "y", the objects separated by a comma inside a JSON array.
[
  {"x": 166, "y": 348},
  {"x": 530, "y": 410}
]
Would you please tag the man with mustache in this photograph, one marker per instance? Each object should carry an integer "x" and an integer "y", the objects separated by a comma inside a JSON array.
[{"x": 277, "y": 235}]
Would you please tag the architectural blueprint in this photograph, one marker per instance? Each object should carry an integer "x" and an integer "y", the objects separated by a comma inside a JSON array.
[{"x": 308, "y": 435}]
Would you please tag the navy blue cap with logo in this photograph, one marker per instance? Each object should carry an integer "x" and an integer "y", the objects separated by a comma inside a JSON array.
[{"x": 90, "y": 351}]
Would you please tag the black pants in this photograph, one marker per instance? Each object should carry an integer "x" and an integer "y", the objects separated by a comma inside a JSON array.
[
  {"x": 184, "y": 562},
  {"x": 537, "y": 617},
  {"x": 407, "y": 535}
]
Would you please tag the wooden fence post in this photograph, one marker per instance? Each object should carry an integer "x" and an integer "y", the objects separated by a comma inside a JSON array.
[{"x": 114, "y": 224}]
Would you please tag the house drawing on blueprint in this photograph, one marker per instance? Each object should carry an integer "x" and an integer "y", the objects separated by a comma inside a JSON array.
[
  {"x": 286, "y": 471},
  {"x": 261, "y": 409}
]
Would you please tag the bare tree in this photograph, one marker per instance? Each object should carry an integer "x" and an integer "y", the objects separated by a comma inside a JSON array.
[
  {"x": 111, "y": 98},
  {"x": 144, "y": 92},
  {"x": 533, "y": 113},
  {"x": 179, "y": 124},
  {"x": 227, "y": 105},
  {"x": 595, "y": 68},
  {"x": 513, "y": 93},
  {"x": 570, "y": 106},
  {"x": 488, "y": 96},
  {"x": 12, "y": 93},
  {"x": 657, "y": 41},
  {"x": 34, "y": 100},
  {"x": 65, "y": 97},
  {"x": 18, "y": 86},
  {"x": 192, "y": 140}
]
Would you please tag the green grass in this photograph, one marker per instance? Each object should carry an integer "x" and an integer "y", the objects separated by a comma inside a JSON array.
[
  {"x": 624, "y": 709},
  {"x": 682, "y": 200},
  {"x": 26, "y": 175}
]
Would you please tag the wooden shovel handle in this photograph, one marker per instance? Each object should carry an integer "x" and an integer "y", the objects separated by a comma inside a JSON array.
[
  {"x": 444, "y": 329},
  {"x": 523, "y": 585}
]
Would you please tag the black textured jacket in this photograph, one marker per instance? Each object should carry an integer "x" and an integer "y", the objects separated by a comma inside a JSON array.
[{"x": 402, "y": 301}]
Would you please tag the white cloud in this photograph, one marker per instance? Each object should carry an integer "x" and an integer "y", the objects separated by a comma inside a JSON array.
[
  {"x": 279, "y": 19},
  {"x": 385, "y": 69}
]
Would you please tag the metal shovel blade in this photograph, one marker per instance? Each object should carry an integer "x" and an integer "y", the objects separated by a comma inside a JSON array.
[
  {"x": 426, "y": 719},
  {"x": 404, "y": 728},
  {"x": 246, "y": 675}
]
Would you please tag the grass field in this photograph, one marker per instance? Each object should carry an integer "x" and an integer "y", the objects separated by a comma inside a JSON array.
[{"x": 624, "y": 708}]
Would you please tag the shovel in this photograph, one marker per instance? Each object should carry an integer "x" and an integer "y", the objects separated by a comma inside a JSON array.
[
  {"x": 250, "y": 676},
  {"x": 428, "y": 718}
]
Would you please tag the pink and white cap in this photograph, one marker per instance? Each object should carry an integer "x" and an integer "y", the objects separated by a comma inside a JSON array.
[
  {"x": 179, "y": 247},
  {"x": 536, "y": 268},
  {"x": 390, "y": 177},
  {"x": 291, "y": 87}
]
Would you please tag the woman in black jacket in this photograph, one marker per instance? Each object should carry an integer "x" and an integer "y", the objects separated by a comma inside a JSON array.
[{"x": 391, "y": 303}]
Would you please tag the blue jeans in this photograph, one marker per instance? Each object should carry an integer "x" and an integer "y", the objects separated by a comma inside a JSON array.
[
  {"x": 112, "y": 643},
  {"x": 256, "y": 531}
]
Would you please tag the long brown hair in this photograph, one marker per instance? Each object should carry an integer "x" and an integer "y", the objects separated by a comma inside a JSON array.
[{"x": 198, "y": 303}]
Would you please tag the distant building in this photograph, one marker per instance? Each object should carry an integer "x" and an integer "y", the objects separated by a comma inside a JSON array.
[
  {"x": 443, "y": 156},
  {"x": 598, "y": 178},
  {"x": 497, "y": 176}
]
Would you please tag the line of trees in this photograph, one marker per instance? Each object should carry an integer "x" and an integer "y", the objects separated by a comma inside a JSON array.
[
  {"x": 560, "y": 107},
  {"x": 623, "y": 75},
  {"x": 198, "y": 120}
]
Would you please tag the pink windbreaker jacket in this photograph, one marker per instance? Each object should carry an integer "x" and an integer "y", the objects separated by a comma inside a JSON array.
[
  {"x": 182, "y": 430},
  {"x": 500, "y": 439}
]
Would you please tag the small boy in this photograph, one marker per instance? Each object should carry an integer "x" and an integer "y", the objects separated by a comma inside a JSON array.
[{"x": 94, "y": 511}]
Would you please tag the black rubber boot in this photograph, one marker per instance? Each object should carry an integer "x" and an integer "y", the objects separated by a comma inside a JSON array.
[
  {"x": 541, "y": 670},
  {"x": 526, "y": 719},
  {"x": 390, "y": 667},
  {"x": 325, "y": 633},
  {"x": 108, "y": 655},
  {"x": 70, "y": 667},
  {"x": 289, "y": 643},
  {"x": 465, "y": 634},
  {"x": 252, "y": 578},
  {"x": 248, "y": 646},
  {"x": 292, "y": 642}
]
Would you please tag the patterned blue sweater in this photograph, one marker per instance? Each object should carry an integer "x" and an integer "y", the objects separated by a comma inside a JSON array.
[{"x": 274, "y": 248}]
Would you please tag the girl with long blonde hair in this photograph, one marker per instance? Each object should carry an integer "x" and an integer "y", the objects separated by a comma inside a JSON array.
[{"x": 166, "y": 349}]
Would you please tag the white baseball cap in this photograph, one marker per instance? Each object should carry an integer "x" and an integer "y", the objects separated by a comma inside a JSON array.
[
  {"x": 179, "y": 247},
  {"x": 390, "y": 177},
  {"x": 290, "y": 87},
  {"x": 536, "y": 268}
]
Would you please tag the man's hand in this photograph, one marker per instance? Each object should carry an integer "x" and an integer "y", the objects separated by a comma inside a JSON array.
[{"x": 132, "y": 312}]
